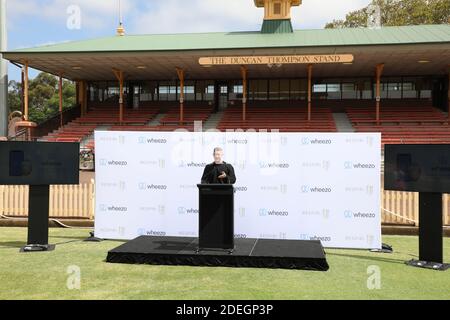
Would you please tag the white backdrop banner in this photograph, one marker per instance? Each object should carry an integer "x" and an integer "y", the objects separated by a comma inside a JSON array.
[{"x": 317, "y": 186}]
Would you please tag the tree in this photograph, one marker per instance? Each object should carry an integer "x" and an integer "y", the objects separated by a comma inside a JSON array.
[
  {"x": 43, "y": 96},
  {"x": 14, "y": 93},
  {"x": 399, "y": 13}
]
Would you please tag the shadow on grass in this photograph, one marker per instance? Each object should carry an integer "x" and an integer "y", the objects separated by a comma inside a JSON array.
[
  {"x": 371, "y": 258},
  {"x": 69, "y": 237},
  {"x": 12, "y": 244}
]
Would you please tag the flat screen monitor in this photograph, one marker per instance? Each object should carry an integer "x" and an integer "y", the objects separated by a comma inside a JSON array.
[
  {"x": 39, "y": 163},
  {"x": 417, "y": 168}
]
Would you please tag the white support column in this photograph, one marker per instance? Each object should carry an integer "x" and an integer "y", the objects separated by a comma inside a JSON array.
[{"x": 4, "y": 110}]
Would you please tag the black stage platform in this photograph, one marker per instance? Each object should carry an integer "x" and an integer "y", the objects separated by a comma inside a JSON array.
[{"x": 249, "y": 253}]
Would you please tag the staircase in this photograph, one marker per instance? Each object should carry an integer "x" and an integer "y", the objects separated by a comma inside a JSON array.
[
  {"x": 155, "y": 122},
  {"x": 343, "y": 124},
  {"x": 213, "y": 121}
]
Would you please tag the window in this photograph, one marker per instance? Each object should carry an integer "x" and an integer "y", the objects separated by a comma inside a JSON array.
[
  {"x": 298, "y": 89},
  {"x": 319, "y": 88},
  {"x": 277, "y": 8},
  {"x": 284, "y": 89},
  {"x": 204, "y": 90},
  {"x": 261, "y": 90},
  {"x": 394, "y": 90},
  {"x": 424, "y": 86},
  {"x": 199, "y": 90},
  {"x": 148, "y": 91},
  {"x": 167, "y": 91},
  {"x": 274, "y": 90},
  {"x": 113, "y": 91},
  {"x": 349, "y": 91},
  {"x": 237, "y": 91},
  {"x": 102, "y": 91},
  {"x": 366, "y": 89},
  {"x": 409, "y": 89},
  {"x": 334, "y": 91},
  {"x": 92, "y": 92}
]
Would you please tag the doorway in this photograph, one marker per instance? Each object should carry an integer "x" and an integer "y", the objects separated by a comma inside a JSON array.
[{"x": 221, "y": 96}]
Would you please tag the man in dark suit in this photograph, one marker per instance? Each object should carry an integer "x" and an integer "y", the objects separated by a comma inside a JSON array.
[{"x": 219, "y": 171}]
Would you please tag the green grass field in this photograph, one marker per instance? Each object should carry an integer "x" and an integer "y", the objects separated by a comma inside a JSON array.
[{"x": 45, "y": 275}]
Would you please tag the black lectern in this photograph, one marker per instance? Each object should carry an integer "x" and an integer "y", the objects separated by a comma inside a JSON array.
[
  {"x": 38, "y": 164},
  {"x": 216, "y": 216},
  {"x": 424, "y": 169}
]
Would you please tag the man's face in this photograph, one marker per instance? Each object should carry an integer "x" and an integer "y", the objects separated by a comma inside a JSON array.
[{"x": 218, "y": 154}]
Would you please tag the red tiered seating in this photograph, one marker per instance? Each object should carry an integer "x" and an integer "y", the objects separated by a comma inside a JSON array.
[
  {"x": 110, "y": 116},
  {"x": 403, "y": 124},
  {"x": 152, "y": 128},
  {"x": 190, "y": 114},
  {"x": 71, "y": 132},
  {"x": 82, "y": 127},
  {"x": 285, "y": 119}
]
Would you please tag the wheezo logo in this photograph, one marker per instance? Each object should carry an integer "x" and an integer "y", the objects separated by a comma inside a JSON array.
[
  {"x": 349, "y": 214},
  {"x": 145, "y": 186},
  {"x": 184, "y": 164},
  {"x": 306, "y": 236},
  {"x": 265, "y": 212},
  {"x": 305, "y": 141},
  {"x": 351, "y": 165},
  {"x": 183, "y": 210},
  {"x": 145, "y": 232},
  {"x": 307, "y": 189},
  {"x": 237, "y": 141},
  {"x": 105, "y": 162},
  {"x": 273, "y": 165},
  {"x": 144, "y": 140},
  {"x": 308, "y": 141},
  {"x": 105, "y": 208}
]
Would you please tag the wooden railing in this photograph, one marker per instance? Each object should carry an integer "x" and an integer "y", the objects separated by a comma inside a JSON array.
[
  {"x": 77, "y": 202},
  {"x": 403, "y": 208},
  {"x": 66, "y": 201}
]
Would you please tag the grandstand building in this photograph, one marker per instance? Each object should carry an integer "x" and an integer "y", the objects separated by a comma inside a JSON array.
[{"x": 393, "y": 80}]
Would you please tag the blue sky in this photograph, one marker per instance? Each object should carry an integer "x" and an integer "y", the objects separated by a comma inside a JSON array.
[{"x": 39, "y": 22}]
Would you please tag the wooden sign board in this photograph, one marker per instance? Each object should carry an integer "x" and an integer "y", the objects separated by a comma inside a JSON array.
[{"x": 270, "y": 60}]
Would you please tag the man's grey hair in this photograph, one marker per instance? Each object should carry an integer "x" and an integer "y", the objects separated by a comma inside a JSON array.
[{"x": 217, "y": 149}]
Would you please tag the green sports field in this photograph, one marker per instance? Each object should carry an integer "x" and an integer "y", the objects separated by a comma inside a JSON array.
[{"x": 353, "y": 274}]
